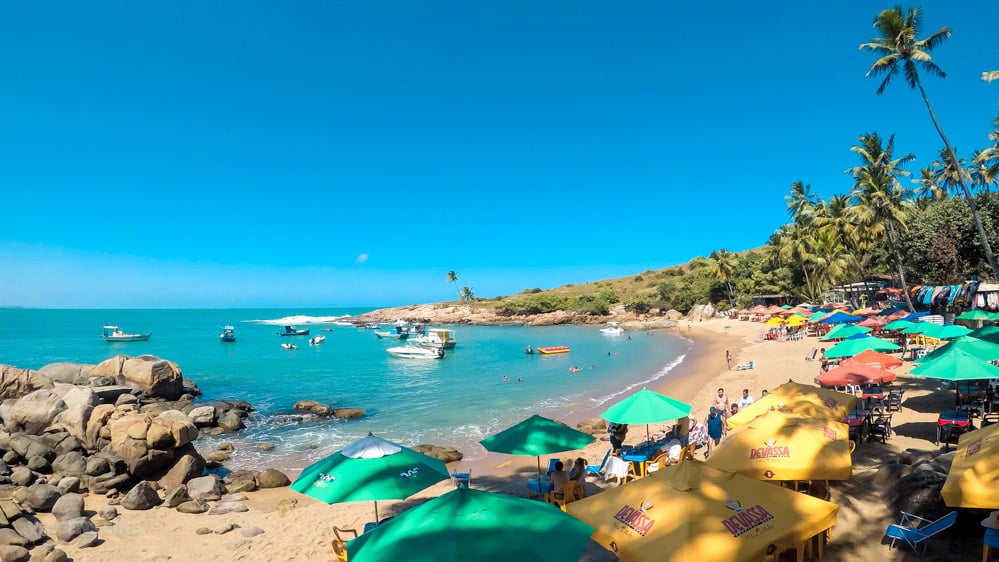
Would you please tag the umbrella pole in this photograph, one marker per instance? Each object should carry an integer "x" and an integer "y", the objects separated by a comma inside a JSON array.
[{"x": 376, "y": 512}]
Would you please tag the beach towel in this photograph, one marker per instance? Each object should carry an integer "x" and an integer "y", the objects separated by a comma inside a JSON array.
[{"x": 698, "y": 434}]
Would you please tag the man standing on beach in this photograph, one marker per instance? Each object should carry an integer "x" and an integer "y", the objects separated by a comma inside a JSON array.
[
  {"x": 716, "y": 429},
  {"x": 721, "y": 402},
  {"x": 728, "y": 359}
]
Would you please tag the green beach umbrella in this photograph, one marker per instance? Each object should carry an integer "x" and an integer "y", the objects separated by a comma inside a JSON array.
[
  {"x": 947, "y": 332},
  {"x": 467, "y": 524},
  {"x": 843, "y": 331},
  {"x": 976, "y": 314},
  {"x": 818, "y": 316},
  {"x": 957, "y": 366},
  {"x": 645, "y": 407},
  {"x": 898, "y": 325},
  {"x": 370, "y": 468},
  {"x": 970, "y": 345},
  {"x": 987, "y": 333},
  {"x": 537, "y": 436},
  {"x": 917, "y": 328},
  {"x": 857, "y": 344}
]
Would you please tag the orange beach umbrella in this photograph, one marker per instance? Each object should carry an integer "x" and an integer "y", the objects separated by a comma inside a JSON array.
[
  {"x": 779, "y": 446},
  {"x": 874, "y": 359},
  {"x": 856, "y": 374},
  {"x": 693, "y": 512}
]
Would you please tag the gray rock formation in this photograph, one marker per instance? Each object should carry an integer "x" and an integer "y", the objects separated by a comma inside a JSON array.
[
  {"x": 156, "y": 377},
  {"x": 207, "y": 488},
  {"x": 141, "y": 497},
  {"x": 68, "y": 506},
  {"x": 69, "y": 529},
  {"x": 34, "y": 412},
  {"x": 272, "y": 478},
  {"x": 15, "y": 382},
  {"x": 446, "y": 454}
]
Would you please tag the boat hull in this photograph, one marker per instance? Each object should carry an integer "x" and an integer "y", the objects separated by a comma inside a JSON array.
[
  {"x": 128, "y": 337},
  {"x": 412, "y": 352}
]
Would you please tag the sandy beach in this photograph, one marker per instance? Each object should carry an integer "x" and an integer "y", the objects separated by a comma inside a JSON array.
[{"x": 297, "y": 527}]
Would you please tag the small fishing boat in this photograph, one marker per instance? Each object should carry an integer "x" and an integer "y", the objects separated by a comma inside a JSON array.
[
  {"x": 551, "y": 350},
  {"x": 293, "y": 331},
  {"x": 435, "y": 337},
  {"x": 316, "y": 340},
  {"x": 397, "y": 334},
  {"x": 416, "y": 352},
  {"x": 228, "y": 334},
  {"x": 114, "y": 334},
  {"x": 289, "y": 346},
  {"x": 612, "y": 329}
]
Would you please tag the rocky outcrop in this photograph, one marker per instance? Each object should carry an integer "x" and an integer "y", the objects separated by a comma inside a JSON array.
[
  {"x": 15, "y": 382},
  {"x": 702, "y": 312},
  {"x": 35, "y": 411},
  {"x": 156, "y": 377},
  {"x": 149, "y": 444},
  {"x": 914, "y": 486},
  {"x": 446, "y": 454},
  {"x": 67, "y": 373}
]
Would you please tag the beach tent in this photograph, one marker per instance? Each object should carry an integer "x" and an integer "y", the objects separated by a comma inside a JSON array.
[
  {"x": 537, "y": 436},
  {"x": 466, "y": 524},
  {"x": 645, "y": 407},
  {"x": 839, "y": 317},
  {"x": 843, "y": 331},
  {"x": 781, "y": 446},
  {"x": 693, "y": 512},
  {"x": 801, "y": 399},
  {"x": 858, "y": 374},
  {"x": 370, "y": 469},
  {"x": 973, "y": 479},
  {"x": 873, "y": 359},
  {"x": 858, "y": 343}
]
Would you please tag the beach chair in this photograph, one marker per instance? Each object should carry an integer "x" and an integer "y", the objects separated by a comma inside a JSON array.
[
  {"x": 894, "y": 402},
  {"x": 881, "y": 428},
  {"x": 811, "y": 356},
  {"x": 565, "y": 495},
  {"x": 597, "y": 469},
  {"x": 339, "y": 544},
  {"x": 917, "y": 532}
]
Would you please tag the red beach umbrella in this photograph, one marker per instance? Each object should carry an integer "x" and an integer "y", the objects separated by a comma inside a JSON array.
[
  {"x": 855, "y": 373},
  {"x": 872, "y": 323},
  {"x": 873, "y": 358}
]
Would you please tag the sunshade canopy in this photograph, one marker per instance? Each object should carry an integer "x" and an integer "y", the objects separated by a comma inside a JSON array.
[
  {"x": 855, "y": 374},
  {"x": 973, "y": 479},
  {"x": 378, "y": 470},
  {"x": 976, "y": 314},
  {"x": 982, "y": 349},
  {"x": 800, "y": 399},
  {"x": 537, "y": 436},
  {"x": 874, "y": 359},
  {"x": 779, "y": 446},
  {"x": 839, "y": 317},
  {"x": 899, "y": 325},
  {"x": 857, "y": 344},
  {"x": 987, "y": 333},
  {"x": 693, "y": 512},
  {"x": 956, "y": 366},
  {"x": 946, "y": 332},
  {"x": 467, "y": 524},
  {"x": 646, "y": 406},
  {"x": 843, "y": 331}
]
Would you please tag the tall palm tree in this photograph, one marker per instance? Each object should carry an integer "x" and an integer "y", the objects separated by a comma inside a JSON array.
[
  {"x": 838, "y": 218},
  {"x": 452, "y": 277},
  {"x": 791, "y": 245},
  {"x": 880, "y": 200},
  {"x": 466, "y": 294},
  {"x": 983, "y": 168},
  {"x": 901, "y": 50},
  {"x": 723, "y": 264},
  {"x": 829, "y": 260},
  {"x": 948, "y": 173},
  {"x": 801, "y": 203},
  {"x": 928, "y": 189}
]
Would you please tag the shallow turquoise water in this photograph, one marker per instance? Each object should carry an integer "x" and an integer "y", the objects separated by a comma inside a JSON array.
[{"x": 453, "y": 401}]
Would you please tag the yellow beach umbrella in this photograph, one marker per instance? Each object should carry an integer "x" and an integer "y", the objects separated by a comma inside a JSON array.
[
  {"x": 801, "y": 399},
  {"x": 780, "y": 446},
  {"x": 775, "y": 321},
  {"x": 973, "y": 480},
  {"x": 693, "y": 512},
  {"x": 796, "y": 320}
]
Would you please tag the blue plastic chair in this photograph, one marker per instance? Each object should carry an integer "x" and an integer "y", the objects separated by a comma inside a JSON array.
[
  {"x": 598, "y": 468},
  {"x": 917, "y": 537}
]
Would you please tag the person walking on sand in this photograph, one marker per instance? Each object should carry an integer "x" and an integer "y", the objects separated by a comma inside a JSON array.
[
  {"x": 721, "y": 401},
  {"x": 716, "y": 429},
  {"x": 728, "y": 359}
]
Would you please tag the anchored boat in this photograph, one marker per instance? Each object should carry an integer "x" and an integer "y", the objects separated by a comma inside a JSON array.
[{"x": 114, "y": 334}]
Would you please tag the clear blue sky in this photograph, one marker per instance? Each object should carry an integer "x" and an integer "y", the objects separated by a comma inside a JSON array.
[{"x": 351, "y": 153}]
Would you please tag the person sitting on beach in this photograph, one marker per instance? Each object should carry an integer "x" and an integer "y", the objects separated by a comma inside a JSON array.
[
  {"x": 558, "y": 477},
  {"x": 716, "y": 429},
  {"x": 746, "y": 399},
  {"x": 578, "y": 474},
  {"x": 745, "y": 366},
  {"x": 733, "y": 410}
]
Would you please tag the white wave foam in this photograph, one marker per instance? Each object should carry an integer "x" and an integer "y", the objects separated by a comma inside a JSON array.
[{"x": 642, "y": 383}]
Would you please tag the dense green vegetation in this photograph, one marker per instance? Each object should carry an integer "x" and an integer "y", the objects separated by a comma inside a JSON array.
[{"x": 936, "y": 228}]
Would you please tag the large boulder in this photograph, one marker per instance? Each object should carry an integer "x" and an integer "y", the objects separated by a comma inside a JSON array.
[
  {"x": 272, "y": 478},
  {"x": 702, "y": 312},
  {"x": 68, "y": 506},
  {"x": 446, "y": 454},
  {"x": 189, "y": 465},
  {"x": 69, "y": 373},
  {"x": 129, "y": 442},
  {"x": 80, "y": 402},
  {"x": 207, "y": 488},
  {"x": 69, "y": 529},
  {"x": 34, "y": 412},
  {"x": 15, "y": 382},
  {"x": 156, "y": 377},
  {"x": 141, "y": 497},
  {"x": 41, "y": 497},
  {"x": 313, "y": 407}
]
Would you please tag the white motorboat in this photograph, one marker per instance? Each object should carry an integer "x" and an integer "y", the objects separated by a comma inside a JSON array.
[
  {"x": 416, "y": 352},
  {"x": 228, "y": 334},
  {"x": 289, "y": 346},
  {"x": 316, "y": 340},
  {"x": 612, "y": 329},
  {"x": 435, "y": 337},
  {"x": 115, "y": 334}
]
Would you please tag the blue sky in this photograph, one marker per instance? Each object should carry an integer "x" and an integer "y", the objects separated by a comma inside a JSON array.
[{"x": 351, "y": 153}]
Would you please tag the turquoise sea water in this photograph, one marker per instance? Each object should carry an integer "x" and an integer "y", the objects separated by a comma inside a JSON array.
[{"x": 454, "y": 401}]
